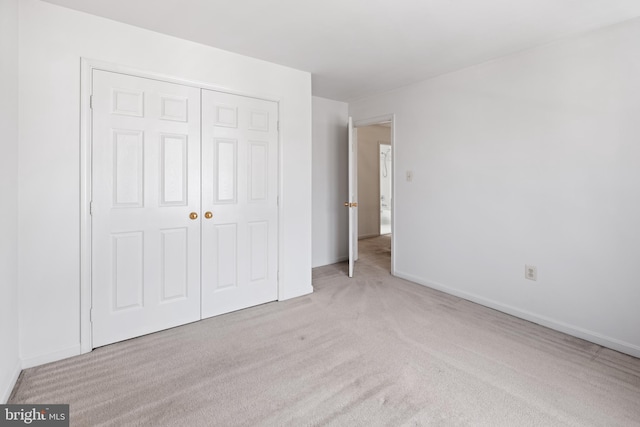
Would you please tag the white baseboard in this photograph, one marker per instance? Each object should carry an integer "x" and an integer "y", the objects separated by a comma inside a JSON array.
[
  {"x": 332, "y": 261},
  {"x": 6, "y": 387},
  {"x": 64, "y": 353},
  {"x": 594, "y": 337},
  {"x": 306, "y": 291}
]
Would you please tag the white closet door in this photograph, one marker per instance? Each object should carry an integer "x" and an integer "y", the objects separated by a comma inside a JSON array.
[
  {"x": 145, "y": 185},
  {"x": 240, "y": 190}
]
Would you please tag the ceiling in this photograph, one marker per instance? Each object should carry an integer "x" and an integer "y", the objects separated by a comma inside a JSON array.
[{"x": 356, "y": 48}]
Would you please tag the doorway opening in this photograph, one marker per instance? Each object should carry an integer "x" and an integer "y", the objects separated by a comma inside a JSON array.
[{"x": 374, "y": 148}]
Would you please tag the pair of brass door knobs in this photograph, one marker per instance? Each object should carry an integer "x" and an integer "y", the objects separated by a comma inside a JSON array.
[{"x": 194, "y": 215}]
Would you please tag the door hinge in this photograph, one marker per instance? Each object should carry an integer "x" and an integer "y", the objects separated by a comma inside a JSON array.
[
  {"x": 91, "y": 207},
  {"x": 278, "y": 125},
  {"x": 91, "y": 102},
  {"x": 278, "y": 201},
  {"x": 91, "y": 314}
]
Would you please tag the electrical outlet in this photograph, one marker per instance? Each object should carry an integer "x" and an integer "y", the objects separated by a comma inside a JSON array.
[{"x": 531, "y": 272}]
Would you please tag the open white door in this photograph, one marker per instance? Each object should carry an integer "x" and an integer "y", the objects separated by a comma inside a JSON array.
[{"x": 352, "y": 204}]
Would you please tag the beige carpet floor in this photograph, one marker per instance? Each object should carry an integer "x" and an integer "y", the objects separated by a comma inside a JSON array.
[{"x": 368, "y": 351}]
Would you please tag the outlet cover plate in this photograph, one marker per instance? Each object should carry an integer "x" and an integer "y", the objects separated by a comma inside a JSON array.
[{"x": 530, "y": 272}]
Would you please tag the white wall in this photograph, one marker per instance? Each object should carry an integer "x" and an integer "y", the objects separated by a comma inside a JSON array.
[
  {"x": 9, "y": 354},
  {"x": 52, "y": 41},
  {"x": 369, "y": 178},
  {"x": 533, "y": 158},
  {"x": 330, "y": 182}
]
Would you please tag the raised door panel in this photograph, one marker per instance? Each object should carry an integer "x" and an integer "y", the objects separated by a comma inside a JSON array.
[
  {"x": 127, "y": 291},
  {"x": 128, "y": 170},
  {"x": 258, "y": 251},
  {"x": 225, "y": 166},
  {"x": 174, "y": 252},
  {"x": 225, "y": 257},
  {"x": 173, "y": 170},
  {"x": 258, "y": 170}
]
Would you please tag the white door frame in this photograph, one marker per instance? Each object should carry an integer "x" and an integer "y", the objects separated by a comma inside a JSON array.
[
  {"x": 374, "y": 121},
  {"x": 352, "y": 199},
  {"x": 86, "y": 84}
]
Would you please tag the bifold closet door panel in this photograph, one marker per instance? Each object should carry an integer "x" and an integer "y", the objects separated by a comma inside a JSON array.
[
  {"x": 240, "y": 190},
  {"x": 145, "y": 194}
]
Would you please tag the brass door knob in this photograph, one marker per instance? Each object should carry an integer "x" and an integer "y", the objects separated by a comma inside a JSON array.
[
  {"x": 193, "y": 215},
  {"x": 208, "y": 215},
  {"x": 346, "y": 204}
]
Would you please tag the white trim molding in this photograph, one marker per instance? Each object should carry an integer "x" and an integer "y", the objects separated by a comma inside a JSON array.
[
  {"x": 51, "y": 357},
  {"x": 594, "y": 337},
  {"x": 9, "y": 382}
]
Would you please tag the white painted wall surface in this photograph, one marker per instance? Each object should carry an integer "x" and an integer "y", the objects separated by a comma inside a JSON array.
[
  {"x": 52, "y": 41},
  {"x": 330, "y": 182},
  {"x": 533, "y": 158},
  {"x": 369, "y": 178},
  {"x": 9, "y": 350}
]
